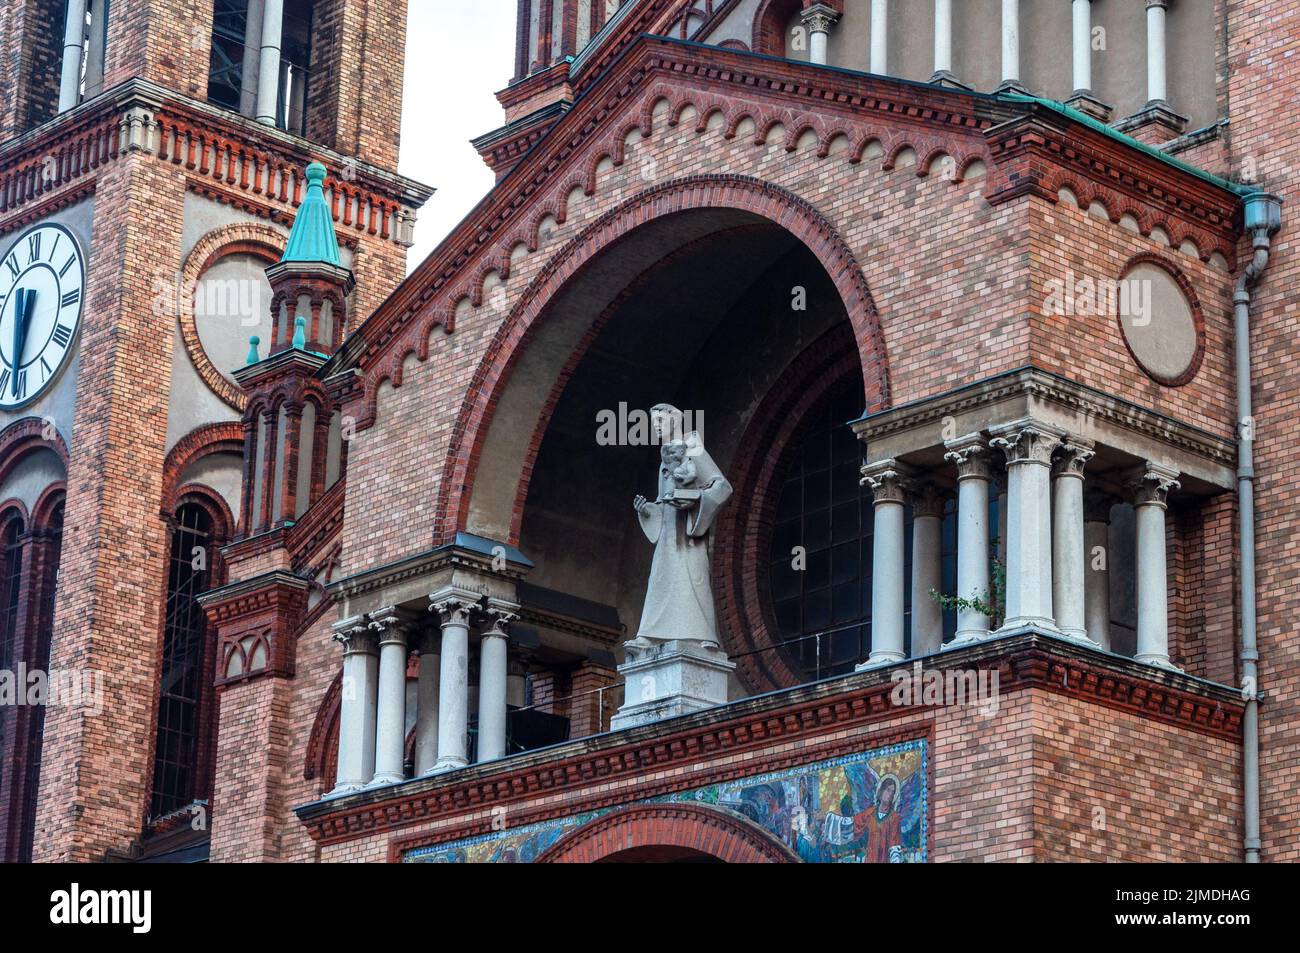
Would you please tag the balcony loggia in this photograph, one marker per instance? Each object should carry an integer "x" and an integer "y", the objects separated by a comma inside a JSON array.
[{"x": 1058, "y": 458}]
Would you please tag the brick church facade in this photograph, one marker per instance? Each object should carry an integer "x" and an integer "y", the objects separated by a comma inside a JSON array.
[{"x": 981, "y": 309}]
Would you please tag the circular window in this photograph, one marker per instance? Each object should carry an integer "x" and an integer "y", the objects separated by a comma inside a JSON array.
[{"x": 1160, "y": 320}]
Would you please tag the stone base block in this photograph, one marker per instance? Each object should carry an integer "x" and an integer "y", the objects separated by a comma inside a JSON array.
[{"x": 668, "y": 679}]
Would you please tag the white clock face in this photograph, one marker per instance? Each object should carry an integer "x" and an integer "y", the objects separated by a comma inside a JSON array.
[{"x": 42, "y": 293}]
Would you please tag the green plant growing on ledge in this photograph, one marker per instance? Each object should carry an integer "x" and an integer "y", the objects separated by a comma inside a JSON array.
[{"x": 992, "y": 604}]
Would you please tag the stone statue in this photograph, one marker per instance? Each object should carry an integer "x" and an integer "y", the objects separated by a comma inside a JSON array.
[{"x": 679, "y": 599}]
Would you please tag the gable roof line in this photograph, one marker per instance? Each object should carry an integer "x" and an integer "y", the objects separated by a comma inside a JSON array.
[{"x": 988, "y": 109}]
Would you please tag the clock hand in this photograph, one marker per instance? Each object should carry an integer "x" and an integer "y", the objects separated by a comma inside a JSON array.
[{"x": 25, "y": 301}]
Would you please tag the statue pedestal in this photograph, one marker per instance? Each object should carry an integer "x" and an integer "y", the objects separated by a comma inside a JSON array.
[{"x": 667, "y": 679}]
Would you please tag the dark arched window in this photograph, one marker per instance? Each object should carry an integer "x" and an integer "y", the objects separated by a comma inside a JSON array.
[
  {"x": 48, "y": 552},
  {"x": 11, "y": 575},
  {"x": 182, "y": 750},
  {"x": 819, "y": 559}
]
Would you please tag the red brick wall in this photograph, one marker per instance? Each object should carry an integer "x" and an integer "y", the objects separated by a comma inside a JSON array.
[
  {"x": 96, "y": 770},
  {"x": 31, "y": 58},
  {"x": 1264, "y": 39},
  {"x": 1023, "y": 784}
]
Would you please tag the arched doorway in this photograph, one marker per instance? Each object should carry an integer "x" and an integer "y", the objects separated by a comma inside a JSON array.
[{"x": 668, "y": 833}]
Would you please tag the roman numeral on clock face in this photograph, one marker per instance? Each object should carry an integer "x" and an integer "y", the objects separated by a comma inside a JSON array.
[
  {"x": 62, "y": 335},
  {"x": 12, "y": 263},
  {"x": 71, "y": 298},
  {"x": 33, "y": 248},
  {"x": 72, "y": 260}
]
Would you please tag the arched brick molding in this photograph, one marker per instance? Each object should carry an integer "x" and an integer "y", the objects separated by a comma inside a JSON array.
[
  {"x": 715, "y": 192},
  {"x": 25, "y": 435},
  {"x": 243, "y": 238},
  {"x": 224, "y": 437},
  {"x": 744, "y": 532},
  {"x": 689, "y": 827},
  {"x": 321, "y": 761}
]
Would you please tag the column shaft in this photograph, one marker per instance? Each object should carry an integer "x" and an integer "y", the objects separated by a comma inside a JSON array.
[
  {"x": 356, "y": 764},
  {"x": 453, "y": 689},
  {"x": 880, "y": 36},
  {"x": 1156, "y": 91},
  {"x": 887, "y": 557},
  {"x": 493, "y": 660},
  {"x": 942, "y": 37},
  {"x": 1010, "y": 42},
  {"x": 390, "y": 733},
  {"x": 268, "y": 70},
  {"x": 74, "y": 32},
  {"x": 1151, "y": 490},
  {"x": 1082, "y": 10},
  {"x": 927, "y": 573},
  {"x": 1068, "y": 556},
  {"x": 426, "y": 711},
  {"x": 1096, "y": 600},
  {"x": 1029, "y": 449},
  {"x": 974, "y": 471}
]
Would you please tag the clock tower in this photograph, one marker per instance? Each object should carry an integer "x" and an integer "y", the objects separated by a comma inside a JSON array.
[{"x": 153, "y": 158}]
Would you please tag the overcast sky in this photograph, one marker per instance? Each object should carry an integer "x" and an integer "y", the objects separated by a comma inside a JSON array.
[{"x": 458, "y": 55}]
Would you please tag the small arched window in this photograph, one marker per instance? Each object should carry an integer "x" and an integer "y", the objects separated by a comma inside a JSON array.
[{"x": 184, "y": 732}]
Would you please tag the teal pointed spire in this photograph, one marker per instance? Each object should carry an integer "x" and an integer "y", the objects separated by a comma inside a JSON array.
[
  {"x": 312, "y": 238},
  {"x": 300, "y": 333}
]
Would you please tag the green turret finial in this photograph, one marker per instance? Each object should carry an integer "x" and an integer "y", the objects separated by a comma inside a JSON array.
[
  {"x": 312, "y": 238},
  {"x": 253, "y": 342},
  {"x": 300, "y": 333}
]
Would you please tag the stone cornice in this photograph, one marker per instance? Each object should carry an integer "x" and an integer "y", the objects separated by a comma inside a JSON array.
[
  {"x": 1042, "y": 151},
  {"x": 641, "y": 756},
  {"x": 131, "y": 117},
  {"x": 1044, "y": 385},
  {"x": 249, "y": 596}
]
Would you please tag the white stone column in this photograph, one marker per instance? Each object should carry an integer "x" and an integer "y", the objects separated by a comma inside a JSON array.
[
  {"x": 1082, "y": 45},
  {"x": 1010, "y": 44},
  {"x": 1002, "y": 518},
  {"x": 1028, "y": 446},
  {"x": 426, "y": 700},
  {"x": 356, "y": 764},
  {"x": 453, "y": 607},
  {"x": 927, "y": 570},
  {"x": 516, "y": 683},
  {"x": 888, "y": 551},
  {"x": 1151, "y": 486},
  {"x": 880, "y": 37},
  {"x": 942, "y": 41},
  {"x": 74, "y": 38},
  {"x": 1068, "y": 547},
  {"x": 390, "y": 729},
  {"x": 493, "y": 674},
  {"x": 1156, "y": 89},
  {"x": 818, "y": 20},
  {"x": 268, "y": 70},
  {"x": 974, "y": 471},
  {"x": 1096, "y": 590}
]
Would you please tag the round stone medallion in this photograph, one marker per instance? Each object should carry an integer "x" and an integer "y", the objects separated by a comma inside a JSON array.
[{"x": 1160, "y": 322}]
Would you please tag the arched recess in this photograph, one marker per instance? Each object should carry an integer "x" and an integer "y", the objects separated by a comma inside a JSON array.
[
  {"x": 25, "y": 435},
  {"x": 224, "y": 437},
  {"x": 680, "y": 831},
  {"x": 740, "y": 579},
  {"x": 321, "y": 759},
  {"x": 770, "y": 21},
  {"x": 489, "y": 464}
]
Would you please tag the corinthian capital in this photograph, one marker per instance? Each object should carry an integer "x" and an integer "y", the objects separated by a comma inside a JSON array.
[
  {"x": 888, "y": 481},
  {"x": 390, "y": 624},
  {"x": 453, "y": 605},
  {"x": 819, "y": 18},
  {"x": 353, "y": 635},
  {"x": 1027, "y": 441},
  {"x": 970, "y": 455},
  {"x": 1152, "y": 484},
  {"x": 500, "y": 614},
  {"x": 1072, "y": 456},
  {"x": 928, "y": 500}
]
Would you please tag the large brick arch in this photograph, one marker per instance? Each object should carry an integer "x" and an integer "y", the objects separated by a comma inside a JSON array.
[
  {"x": 703, "y": 192},
  {"x": 646, "y": 828}
]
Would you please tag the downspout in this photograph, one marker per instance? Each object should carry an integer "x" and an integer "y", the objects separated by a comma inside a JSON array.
[{"x": 1263, "y": 217}]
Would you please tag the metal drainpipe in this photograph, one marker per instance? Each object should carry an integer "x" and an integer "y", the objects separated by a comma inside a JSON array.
[{"x": 1263, "y": 217}]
